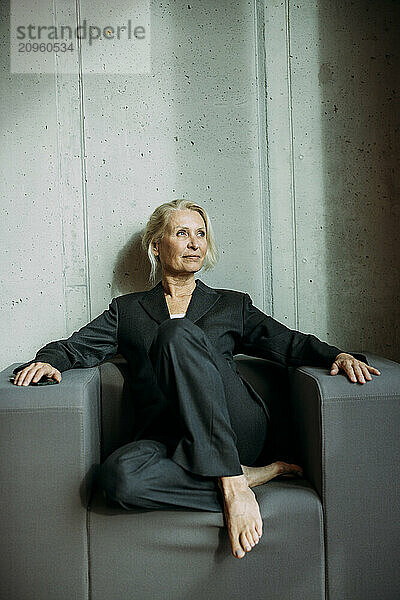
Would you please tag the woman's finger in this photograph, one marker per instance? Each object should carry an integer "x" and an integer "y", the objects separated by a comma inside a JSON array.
[
  {"x": 334, "y": 369},
  {"x": 350, "y": 372},
  {"x": 373, "y": 370},
  {"x": 19, "y": 377},
  {"x": 39, "y": 374},
  {"x": 367, "y": 374},
  {"x": 27, "y": 377},
  {"x": 358, "y": 372}
]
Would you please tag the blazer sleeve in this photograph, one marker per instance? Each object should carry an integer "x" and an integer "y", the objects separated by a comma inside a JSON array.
[
  {"x": 87, "y": 347},
  {"x": 265, "y": 337}
]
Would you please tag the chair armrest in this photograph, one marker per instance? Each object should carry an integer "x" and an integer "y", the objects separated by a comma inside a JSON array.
[
  {"x": 50, "y": 444},
  {"x": 349, "y": 439}
]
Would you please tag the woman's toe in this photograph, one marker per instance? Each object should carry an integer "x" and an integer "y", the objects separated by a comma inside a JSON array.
[
  {"x": 249, "y": 536},
  {"x": 238, "y": 552},
  {"x": 245, "y": 542}
]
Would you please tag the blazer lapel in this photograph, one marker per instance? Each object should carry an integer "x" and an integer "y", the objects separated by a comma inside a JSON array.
[
  {"x": 203, "y": 299},
  {"x": 154, "y": 303}
]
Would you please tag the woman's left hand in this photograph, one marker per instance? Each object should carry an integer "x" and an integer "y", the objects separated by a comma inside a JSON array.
[{"x": 354, "y": 368}]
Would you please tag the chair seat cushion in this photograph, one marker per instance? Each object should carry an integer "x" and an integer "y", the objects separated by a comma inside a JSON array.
[{"x": 130, "y": 549}]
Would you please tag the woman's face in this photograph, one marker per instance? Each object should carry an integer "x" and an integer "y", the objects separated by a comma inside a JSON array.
[{"x": 183, "y": 247}]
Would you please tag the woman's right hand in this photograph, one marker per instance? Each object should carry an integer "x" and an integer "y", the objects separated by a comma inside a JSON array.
[{"x": 34, "y": 372}]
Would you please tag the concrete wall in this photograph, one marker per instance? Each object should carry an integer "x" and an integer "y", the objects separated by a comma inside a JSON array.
[
  {"x": 302, "y": 190},
  {"x": 333, "y": 74}
]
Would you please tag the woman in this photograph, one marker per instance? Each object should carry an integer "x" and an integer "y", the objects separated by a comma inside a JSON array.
[{"x": 200, "y": 426}]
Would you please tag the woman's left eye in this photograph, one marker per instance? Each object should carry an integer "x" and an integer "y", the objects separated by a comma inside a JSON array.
[{"x": 202, "y": 233}]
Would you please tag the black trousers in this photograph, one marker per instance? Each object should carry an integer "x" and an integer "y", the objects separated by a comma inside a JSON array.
[{"x": 212, "y": 425}]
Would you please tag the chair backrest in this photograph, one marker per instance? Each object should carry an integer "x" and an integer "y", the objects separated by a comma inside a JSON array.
[
  {"x": 117, "y": 406},
  {"x": 268, "y": 379}
]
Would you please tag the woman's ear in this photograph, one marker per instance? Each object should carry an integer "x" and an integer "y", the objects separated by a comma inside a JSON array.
[{"x": 155, "y": 249}]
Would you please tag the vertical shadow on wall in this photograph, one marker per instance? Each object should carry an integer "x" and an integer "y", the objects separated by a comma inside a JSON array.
[{"x": 360, "y": 116}]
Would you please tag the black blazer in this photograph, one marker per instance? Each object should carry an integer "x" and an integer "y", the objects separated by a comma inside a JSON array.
[{"x": 228, "y": 317}]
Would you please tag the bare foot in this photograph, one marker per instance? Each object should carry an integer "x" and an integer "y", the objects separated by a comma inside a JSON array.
[
  {"x": 242, "y": 514},
  {"x": 259, "y": 475}
]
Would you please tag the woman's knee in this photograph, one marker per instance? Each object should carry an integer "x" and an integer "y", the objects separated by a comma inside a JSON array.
[{"x": 122, "y": 475}]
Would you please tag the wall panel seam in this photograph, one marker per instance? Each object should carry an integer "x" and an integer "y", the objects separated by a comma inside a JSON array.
[
  {"x": 60, "y": 175},
  {"x": 264, "y": 204},
  {"x": 83, "y": 166},
  {"x": 292, "y": 164}
]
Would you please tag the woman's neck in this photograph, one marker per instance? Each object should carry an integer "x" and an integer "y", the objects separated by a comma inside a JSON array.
[{"x": 177, "y": 287}]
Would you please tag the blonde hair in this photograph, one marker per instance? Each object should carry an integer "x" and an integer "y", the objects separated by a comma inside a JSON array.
[{"x": 157, "y": 224}]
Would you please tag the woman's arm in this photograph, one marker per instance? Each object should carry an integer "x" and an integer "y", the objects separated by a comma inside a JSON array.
[
  {"x": 265, "y": 337},
  {"x": 87, "y": 347}
]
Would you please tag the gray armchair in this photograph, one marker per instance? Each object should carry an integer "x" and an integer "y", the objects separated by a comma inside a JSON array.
[{"x": 332, "y": 534}]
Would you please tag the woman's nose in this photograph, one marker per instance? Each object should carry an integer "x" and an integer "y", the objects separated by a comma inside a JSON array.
[{"x": 193, "y": 243}]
